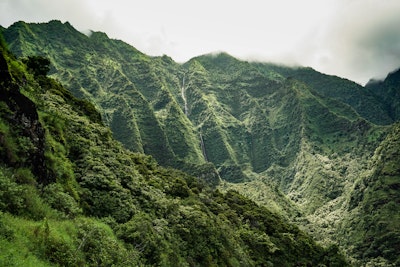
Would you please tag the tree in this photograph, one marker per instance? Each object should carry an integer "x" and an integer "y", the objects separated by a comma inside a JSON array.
[{"x": 38, "y": 65}]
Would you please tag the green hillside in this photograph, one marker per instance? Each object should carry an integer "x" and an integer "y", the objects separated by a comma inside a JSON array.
[
  {"x": 303, "y": 144},
  {"x": 373, "y": 207},
  {"x": 361, "y": 99},
  {"x": 73, "y": 196}
]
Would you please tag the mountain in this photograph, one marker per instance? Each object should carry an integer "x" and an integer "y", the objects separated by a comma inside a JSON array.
[
  {"x": 299, "y": 142},
  {"x": 361, "y": 99},
  {"x": 374, "y": 218},
  {"x": 71, "y": 195}
]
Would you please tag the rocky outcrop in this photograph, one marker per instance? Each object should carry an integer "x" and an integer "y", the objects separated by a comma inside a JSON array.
[{"x": 25, "y": 121}]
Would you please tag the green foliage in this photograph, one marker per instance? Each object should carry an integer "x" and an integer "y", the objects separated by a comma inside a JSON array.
[
  {"x": 348, "y": 92},
  {"x": 82, "y": 106},
  {"x": 9, "y": 148},
  {"x": 10, "y": 196},
  {"x": 80, "y": 242},
  {"x": 140, "y": 233},
  {"x": 38, "y": 65},
  {"x": 102, "y": 205},
  {"x": 19, "y": 199},
  {"x": 375, "y": 200},
  {"x": 125, "y": 127},
  {"x": 58, "y": 199},
  {"x": 99, "y": 246},
  {"x": 307, "y": 147}
]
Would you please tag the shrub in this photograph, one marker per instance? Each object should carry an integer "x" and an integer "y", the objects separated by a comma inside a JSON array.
[
  {"x": 38, "y": 65},
  {"x": 10, "y": 195},
  {"x": 57, "y": 198},
  {"x": 100, "y": 247}
]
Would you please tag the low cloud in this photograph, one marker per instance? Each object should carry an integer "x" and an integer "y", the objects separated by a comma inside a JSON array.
[{"x": 361, "y": 41}]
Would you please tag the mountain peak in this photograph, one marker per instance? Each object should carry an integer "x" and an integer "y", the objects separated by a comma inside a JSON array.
[{"x": 98, "y": 35}]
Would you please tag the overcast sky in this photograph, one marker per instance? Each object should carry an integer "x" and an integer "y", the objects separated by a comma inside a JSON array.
[{"x": 355, "y": 39}]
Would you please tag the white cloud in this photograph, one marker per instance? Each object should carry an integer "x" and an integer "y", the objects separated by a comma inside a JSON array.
[{"x": 361, "y": 40}]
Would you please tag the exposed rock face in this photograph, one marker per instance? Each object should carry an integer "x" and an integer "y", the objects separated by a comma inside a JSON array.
[
  {"x": 25, "y": 120},
  {"x": 5, "y": 76}
]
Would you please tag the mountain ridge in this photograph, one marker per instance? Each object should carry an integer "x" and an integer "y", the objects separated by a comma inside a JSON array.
[
  {"x": 97, "y": 203},
  {"x": 290, "y": 138}
]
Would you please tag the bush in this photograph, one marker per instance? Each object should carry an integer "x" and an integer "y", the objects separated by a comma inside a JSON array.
[
  {"x": 55, "y": 196},
  {"x": 10, "y": 195},
  {"x": 5, "y": 231},
  {"x": 99, "y": 246},
  {"x": 38, "y": 65},
  {"x": 24, "y": 176}
]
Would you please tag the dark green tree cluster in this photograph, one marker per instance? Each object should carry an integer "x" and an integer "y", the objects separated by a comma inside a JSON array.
[{"x": 38, "y": 65}]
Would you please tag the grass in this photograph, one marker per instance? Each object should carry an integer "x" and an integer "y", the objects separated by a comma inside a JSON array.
[
  {"x": 17, "y": 247},
  {"x": 52, "y": 242}
]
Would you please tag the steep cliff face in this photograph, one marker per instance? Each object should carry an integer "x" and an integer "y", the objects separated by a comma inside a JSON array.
[
  {"x": 138, "y": 96},
  {"x": 24, "y": 120},
  {"x": 237, "y": 115}
]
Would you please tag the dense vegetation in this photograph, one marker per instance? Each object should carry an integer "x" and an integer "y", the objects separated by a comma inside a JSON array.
[
  {"x": 308, "y": 146},
  {"x": 70, "y": 195}
]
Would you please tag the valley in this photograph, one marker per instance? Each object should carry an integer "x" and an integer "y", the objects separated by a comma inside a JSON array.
[{"x": 318, "y": 150}]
